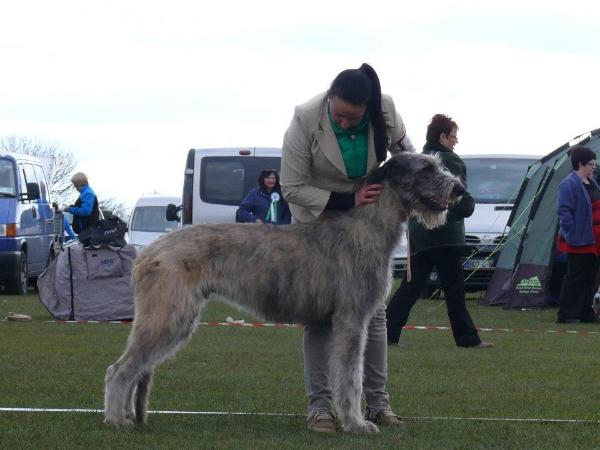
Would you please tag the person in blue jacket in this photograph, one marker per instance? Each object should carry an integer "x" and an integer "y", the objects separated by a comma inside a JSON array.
[
  {"x": 85, "y": 210},
  {"x": 265, "y": 203},
  {"x": 578, "y": 209}
]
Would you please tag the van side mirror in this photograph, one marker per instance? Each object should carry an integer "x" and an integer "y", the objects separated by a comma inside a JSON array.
[
  {"x": 172, "y": 213},
  {"x": 33, "y": 192}
]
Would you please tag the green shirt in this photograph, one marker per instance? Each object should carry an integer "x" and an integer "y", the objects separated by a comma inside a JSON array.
[{"x": 354, "y": 145}]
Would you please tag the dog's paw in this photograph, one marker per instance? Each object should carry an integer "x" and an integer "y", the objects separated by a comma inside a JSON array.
[{"x": 363, "y": 426}]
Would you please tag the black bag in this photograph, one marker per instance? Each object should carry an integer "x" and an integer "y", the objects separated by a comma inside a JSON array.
[{"x": 105, "y": 232}]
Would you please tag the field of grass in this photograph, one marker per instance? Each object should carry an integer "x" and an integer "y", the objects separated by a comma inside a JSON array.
[{"x": 446, "y": 394}]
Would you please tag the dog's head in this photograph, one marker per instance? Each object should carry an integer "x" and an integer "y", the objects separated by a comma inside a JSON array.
[{"x": 423, "y": 185}]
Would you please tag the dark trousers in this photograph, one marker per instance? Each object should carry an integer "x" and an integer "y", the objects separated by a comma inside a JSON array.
[
  {"x": 449, "y": 265},
  {"x": 577, "y": 292}
]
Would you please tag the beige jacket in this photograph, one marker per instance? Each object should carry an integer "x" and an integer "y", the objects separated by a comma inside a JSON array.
[{"x": 312, "y": 165}]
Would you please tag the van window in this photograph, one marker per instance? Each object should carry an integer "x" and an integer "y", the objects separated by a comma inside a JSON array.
[
  {"x": 227, "y": 180},
  {"x": 152, "y": 219},
  {"x": 22, "y": 179},
  {"x": 8, "y": 186},
  {"x": 495, "y": 180},
  {"x": 39, "y": 172},
  {"x": 29, "y": 175}
]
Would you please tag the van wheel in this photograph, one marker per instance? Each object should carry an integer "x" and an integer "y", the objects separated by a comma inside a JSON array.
[{"x": 20, "y": 285}]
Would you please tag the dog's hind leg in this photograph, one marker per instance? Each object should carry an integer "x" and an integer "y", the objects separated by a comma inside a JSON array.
[
  {"x": 142, "y": 396},
  {"x": 154, "y": 338},
  {"x": 347, "y": 365}
]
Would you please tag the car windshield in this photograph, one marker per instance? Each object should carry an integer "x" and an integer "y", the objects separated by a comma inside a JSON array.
[
  {"x": 151, "y": 218},
  {"x": 495, "y": 180},
  {"x": 8, "y": 186}
]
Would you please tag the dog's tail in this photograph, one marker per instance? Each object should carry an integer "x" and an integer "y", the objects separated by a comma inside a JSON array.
[{"x": 142, "y": 393}]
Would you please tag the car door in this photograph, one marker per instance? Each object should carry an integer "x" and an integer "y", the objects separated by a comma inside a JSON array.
[
  {"x": 46, "y": 212},
  {"x": 31, "y": 223}
]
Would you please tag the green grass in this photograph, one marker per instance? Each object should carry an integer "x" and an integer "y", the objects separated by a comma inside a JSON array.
[{"x": 528, "y": 375}]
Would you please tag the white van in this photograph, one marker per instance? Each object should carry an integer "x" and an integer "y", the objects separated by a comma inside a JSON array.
[
  {"x": 493, "y": 181},
  {"x": 148, "y": 220},
  {"x": 216, "y": 181}
]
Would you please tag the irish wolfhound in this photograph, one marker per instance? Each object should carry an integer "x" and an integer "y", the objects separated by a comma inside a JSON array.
[{"x": 335, "y": 270}]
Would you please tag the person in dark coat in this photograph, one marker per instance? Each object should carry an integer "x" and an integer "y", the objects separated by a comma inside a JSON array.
[
  {"x": 265, "y": 203},
  {"x": 442, "y": 248}
]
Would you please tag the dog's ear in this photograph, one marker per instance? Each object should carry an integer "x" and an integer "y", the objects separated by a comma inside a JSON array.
[{"x": 392, "y": 170}]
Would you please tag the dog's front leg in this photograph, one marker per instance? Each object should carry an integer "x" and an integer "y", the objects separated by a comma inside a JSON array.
[{"x": 347, "y": 367}]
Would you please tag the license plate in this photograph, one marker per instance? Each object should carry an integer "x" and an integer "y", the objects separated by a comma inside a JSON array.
[{"x": 472, "y": 264}]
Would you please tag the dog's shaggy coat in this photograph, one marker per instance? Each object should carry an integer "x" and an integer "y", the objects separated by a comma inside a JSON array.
[{"x": 335, "y": 270}]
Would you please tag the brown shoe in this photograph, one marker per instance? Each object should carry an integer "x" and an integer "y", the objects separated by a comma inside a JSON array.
[
  {"x": 386, "y": 417},
  {"x": 321, "y": 422}
]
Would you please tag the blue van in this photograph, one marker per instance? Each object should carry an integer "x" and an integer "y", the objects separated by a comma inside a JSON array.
[{"x": 26, "y": 221}]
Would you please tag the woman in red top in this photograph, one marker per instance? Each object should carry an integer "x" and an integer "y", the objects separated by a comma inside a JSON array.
[{"x": 579, "y": 237}]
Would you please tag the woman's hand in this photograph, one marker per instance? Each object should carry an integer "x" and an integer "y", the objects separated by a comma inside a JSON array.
[{"x": 367, "y": 193}]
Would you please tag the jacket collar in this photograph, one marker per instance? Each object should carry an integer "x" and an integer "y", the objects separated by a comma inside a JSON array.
[
  {"x": 328, "y": 142},
  {"x": 573, "y": 176},
  {"x": 431, "y": 148}
]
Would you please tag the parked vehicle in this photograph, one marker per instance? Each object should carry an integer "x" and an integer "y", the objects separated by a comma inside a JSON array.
[
  {"x": 148, "y": 220},
  {"x": 494, "y": 182},
  {"x": 27, "y": 231},
  {"x": 216, "y": 181}
]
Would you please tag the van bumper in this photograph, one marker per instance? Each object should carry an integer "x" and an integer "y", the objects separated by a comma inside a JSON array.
[{"x": 10, "y": 263}]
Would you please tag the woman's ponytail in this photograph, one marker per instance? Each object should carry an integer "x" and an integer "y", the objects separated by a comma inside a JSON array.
[{"x": 380, "y": 137}]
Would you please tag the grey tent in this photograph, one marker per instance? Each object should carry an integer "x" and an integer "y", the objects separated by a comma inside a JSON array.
[
  {"x": 89, "y": 284},
  {"x": 524, "y": 267}
]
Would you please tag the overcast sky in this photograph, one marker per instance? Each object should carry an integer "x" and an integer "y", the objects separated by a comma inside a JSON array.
[{"x": 130, "y": 86}]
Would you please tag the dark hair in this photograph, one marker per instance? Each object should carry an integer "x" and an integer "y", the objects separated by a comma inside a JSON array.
[
  {"x": 361, "y": 87},
  {"x": 440, "y": 123},
  {"x": 581, "y": 155},
  {"x": 264, "y": 174}
]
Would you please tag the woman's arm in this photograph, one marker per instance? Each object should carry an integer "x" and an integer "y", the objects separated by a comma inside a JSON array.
[
  {"x": 566, "y": 206},
  {"x": 87, "y": 205},
  {"x": 296, "y": 167},
  {"x": 398, "y": 136},
  {"x": 247, "y": 208}
]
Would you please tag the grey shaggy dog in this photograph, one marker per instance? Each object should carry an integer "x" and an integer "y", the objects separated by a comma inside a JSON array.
[{"x": 335, "y": 270}]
